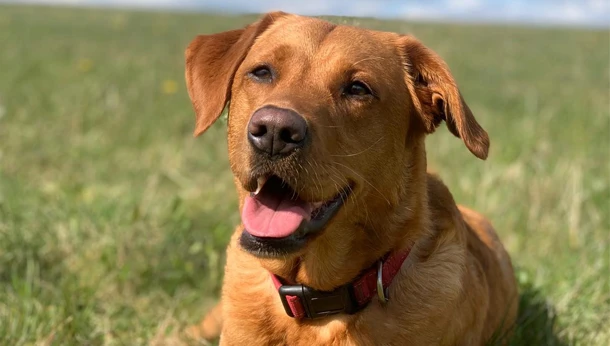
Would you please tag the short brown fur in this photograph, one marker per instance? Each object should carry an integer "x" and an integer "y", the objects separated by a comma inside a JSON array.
[{"x": 457, "y": 286}]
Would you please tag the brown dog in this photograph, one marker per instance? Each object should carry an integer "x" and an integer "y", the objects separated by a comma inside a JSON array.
[{"x": 326, "y": 142}]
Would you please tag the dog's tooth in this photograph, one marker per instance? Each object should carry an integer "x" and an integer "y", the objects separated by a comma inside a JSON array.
[{"x": 260, "y": 183}]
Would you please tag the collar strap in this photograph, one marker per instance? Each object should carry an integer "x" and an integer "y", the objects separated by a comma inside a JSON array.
[{"x": 305, "y": 302}]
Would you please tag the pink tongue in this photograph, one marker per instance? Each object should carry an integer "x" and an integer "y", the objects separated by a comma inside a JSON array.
[{"x": 272, "y": 216}]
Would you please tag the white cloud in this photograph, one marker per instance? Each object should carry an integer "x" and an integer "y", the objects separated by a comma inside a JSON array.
[
  {"x": 598, "y": 5},
  {"x": 464, "y": 4},
  {"x": 418, "y": 12}
]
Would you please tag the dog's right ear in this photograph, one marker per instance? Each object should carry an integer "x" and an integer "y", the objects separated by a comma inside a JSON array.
[{"x": 211, "y": 63}]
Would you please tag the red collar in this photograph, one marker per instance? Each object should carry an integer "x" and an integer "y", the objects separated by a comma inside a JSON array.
[{"x": 304, "y": 302}]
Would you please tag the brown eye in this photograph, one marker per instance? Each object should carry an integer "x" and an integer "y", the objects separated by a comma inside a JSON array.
[
  {"x": 261, "y": 74},
  {"x": 357, "y": 88}
]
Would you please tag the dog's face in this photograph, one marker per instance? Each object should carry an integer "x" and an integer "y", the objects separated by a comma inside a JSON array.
[
  {"x": 304, "y": 117},
  {"x": 323, "y": 120}
]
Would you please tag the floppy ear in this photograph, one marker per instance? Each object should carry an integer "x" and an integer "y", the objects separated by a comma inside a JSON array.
[
  {"x": 436, "y": 96},
  {"x": 211, "y": 63}
]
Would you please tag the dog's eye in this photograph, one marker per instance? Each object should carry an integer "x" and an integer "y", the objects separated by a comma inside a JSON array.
[
  {"x": 261, "y": 74},
  {"x": 357, "y": 88}
]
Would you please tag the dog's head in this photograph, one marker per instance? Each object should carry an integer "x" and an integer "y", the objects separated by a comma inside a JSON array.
[{"x": 326, "y": 125}]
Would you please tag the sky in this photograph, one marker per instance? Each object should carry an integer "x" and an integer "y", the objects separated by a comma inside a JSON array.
[{"x": 588, "y": 13}]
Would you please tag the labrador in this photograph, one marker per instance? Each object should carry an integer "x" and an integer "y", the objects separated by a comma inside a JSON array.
[{"x": 345, "y": 238}]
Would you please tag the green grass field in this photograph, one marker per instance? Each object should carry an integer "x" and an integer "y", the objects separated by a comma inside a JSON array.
[{"x": 113, "y": 219}]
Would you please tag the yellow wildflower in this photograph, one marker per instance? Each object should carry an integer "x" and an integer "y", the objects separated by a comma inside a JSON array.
[
  {"x": 170, "y": 86},
  {"x": 85, "y": 65}
]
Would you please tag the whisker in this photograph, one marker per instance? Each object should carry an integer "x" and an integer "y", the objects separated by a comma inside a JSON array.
[
  {"x": 307, "y": 172},
  {"x": 316, "y": 180},
  {"x": 361, "y": 152},
  {"x": 367, "y": 59},
  {"x": 338, "y": 186},
  {"x": 367, "y": 221},
  {"x": 366, "y": 181}
]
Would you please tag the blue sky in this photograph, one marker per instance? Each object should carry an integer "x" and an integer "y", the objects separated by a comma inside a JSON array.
[{"x": 594, "y": 13}]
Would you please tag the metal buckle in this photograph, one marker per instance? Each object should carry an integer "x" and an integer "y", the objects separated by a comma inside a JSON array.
[
  {"x": 381, "y": 293},
  {"x": 319, "y": 303}
]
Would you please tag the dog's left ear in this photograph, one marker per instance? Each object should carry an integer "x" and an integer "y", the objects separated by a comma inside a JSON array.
[
  {"x": 436, "y": 96},
  {"x": 211, "y": 63}
]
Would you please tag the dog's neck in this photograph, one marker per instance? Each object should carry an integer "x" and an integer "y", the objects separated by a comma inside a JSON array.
[{"x": 355, "y": 245}]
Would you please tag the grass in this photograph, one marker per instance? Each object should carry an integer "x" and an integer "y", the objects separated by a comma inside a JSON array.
[{"x": 113, "y": 219}]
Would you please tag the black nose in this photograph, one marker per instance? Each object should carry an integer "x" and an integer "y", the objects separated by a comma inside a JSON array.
[{"x": 276, "y": 131}]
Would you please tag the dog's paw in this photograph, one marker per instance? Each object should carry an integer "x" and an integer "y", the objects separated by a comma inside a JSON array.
[
  {"x": 208, "y": 329},
  {"x": 192, "y": 332}
]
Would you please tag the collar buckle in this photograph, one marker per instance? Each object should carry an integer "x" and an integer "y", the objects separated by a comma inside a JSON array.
[{"x": 318, "y": 304}]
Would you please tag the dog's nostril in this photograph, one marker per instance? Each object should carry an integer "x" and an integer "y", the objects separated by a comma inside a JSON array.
[
  {"x": 288, "y": 135},
  {"x": 257, "y": 130}
]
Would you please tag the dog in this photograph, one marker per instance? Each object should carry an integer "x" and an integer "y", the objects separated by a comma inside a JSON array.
[{"x": 345, "y": 239}]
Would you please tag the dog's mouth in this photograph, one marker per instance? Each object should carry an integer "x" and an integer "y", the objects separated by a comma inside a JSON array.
[{"x": 277, "y": 220}]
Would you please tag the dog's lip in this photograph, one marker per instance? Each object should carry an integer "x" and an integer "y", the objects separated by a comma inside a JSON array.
[{"x": 330, "y": 206}]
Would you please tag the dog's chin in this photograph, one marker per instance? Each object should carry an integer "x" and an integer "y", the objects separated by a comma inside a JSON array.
[{"x": 320, "y": 215}]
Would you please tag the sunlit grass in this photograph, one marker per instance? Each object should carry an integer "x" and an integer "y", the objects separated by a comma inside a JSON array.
[{"x": 113, "y": 219}]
